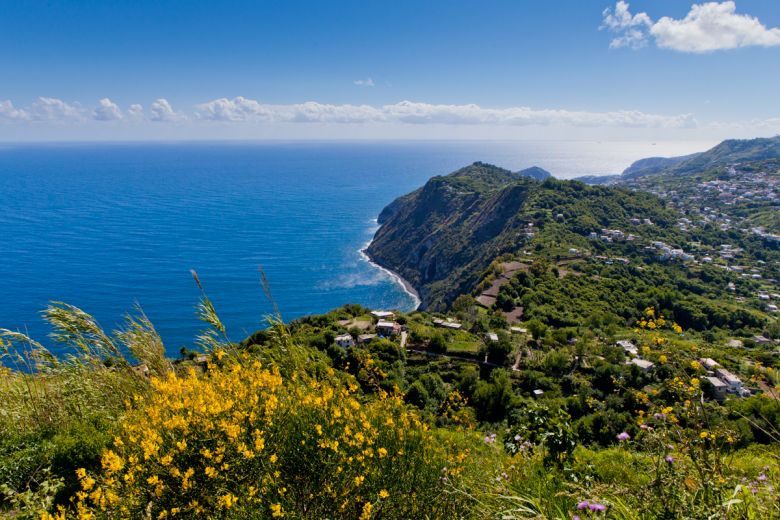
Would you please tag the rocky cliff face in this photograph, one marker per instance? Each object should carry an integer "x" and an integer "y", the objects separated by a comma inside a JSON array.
[{"x": 443, "y": 236}]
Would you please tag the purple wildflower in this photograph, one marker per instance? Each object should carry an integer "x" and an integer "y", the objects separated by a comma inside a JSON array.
[
  {"x": 583, "y": 505},
  {"x": 669, "y": 459},
  {"x": 597, "y": 507},
  {"x": 623, "y": 436}
]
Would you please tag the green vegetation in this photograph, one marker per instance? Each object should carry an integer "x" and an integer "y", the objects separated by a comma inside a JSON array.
[
  {"x": 286, "y": 423},
  {"x": 569, "y": 362}
]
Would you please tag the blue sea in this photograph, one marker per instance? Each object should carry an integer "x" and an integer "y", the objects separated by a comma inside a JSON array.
[{"x": 108, "y": 226}]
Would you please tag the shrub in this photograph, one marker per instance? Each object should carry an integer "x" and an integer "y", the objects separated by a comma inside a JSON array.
[{"x": 243, "y": 442}]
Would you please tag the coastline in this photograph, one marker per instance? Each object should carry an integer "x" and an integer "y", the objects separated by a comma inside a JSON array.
[{"x": 397, "y": 278}]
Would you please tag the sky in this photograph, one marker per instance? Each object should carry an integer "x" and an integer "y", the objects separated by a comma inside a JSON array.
[{"x": 552, "y": 69}]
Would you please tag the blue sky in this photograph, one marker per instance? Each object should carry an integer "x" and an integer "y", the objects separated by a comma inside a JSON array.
[{"x": 648, "y": 69}]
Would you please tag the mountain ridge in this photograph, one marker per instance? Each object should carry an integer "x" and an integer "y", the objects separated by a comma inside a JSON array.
[
  {"x": 442, "y": 236},
  {"x": 723, "y": 154}
]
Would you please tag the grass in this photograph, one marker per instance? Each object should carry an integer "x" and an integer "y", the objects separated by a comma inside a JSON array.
[{"x": 464, "y": 346}]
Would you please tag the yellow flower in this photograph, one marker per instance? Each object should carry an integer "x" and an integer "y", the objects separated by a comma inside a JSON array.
[
  {"x": 382, "y": 452},
  {"x": 662, "y": 359},
  {"x": 276, "y": 510},
  {"x": 227, "y": 501},
  {"x": 383, "y": 494},
  {"x": 111, "y": 462},
  {"x": 366, "y": 514},
  {"x": 695, "y": 365},
  {"x": 704, "y": 435}
]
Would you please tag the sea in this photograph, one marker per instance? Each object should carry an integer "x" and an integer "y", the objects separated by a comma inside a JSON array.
[{"x": 111, "y": 226}]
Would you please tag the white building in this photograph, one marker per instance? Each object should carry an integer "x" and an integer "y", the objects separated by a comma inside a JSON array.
[
  {"x": 719, "y": 388},
  {"x": 628, "y": 346},
  {"x": 345, "y": 341},
  {"x": 644, "y": 364},
  {"x": 709, "y": 363},
  {"x": 387, "y": 328},
  {"x": 447, "y": 324},
  {"x": 733, "y": 383}
]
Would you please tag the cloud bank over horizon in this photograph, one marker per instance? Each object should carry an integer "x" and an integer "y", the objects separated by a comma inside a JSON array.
[
  {"x": 245, "y": 114},
  {"x": 708, "y": 27}
]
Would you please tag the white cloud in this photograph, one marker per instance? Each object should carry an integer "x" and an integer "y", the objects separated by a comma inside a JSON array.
[
  {"x": 707, "y": 27},
  {"x": 368, "y": 82},
  {"x": 236, "y": 109},
  {"x": 107, "y": 110},
  {"x": 632, "y": 28},
  {"x": 135, "y": 112},
  {"x": 53, "y": 109},
  {"x": 9, "y": 112},
  {"x": 243, "y": 109},
  {"x": 713, "y": 26},
  {"x": 407, "y": 112},
  {"x": 162, "y": 111}
]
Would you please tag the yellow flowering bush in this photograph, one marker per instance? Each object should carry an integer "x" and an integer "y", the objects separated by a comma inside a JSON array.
[{"x": 240, "y": 441}]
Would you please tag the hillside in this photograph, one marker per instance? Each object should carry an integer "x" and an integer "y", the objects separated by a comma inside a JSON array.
[
  {"x": 727, "y": 153},
  {"x": 443, "y": 236},
  {"x": 536, "y": 173}
]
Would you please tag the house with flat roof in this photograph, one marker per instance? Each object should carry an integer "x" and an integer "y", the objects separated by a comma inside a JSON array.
[
  {"x": 345, "y": 341},
  {"x": 387, "y": 328},
  {"x": 365, "y": 338},
  {"x": 383, "y": 315},
  {"x": 733, "y": 383},
  {"x": 447, "y": 324},
  {"x": 628, "y": 346},
  {"x": 709, "y": 363},
  {"x": 719, "y": 388},
  {"x": 643, "y": 364},
  {"x": 491, "y": 336}
]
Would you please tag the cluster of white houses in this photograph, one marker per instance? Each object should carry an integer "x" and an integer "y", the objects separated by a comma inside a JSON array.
[
  {"x": 385, "y": 326},
  {"x": 610, "y": 235},
  {"x": 721, "y": 380}
]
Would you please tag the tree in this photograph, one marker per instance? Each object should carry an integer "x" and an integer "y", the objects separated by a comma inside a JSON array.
[
  {"x": 437, "y": 343},
  {"x": 498, "y": 351},
  {"x": 417, "y": 395},
  {"x": 492, "y": 399},
  {"x": 536, "y": 328}
]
